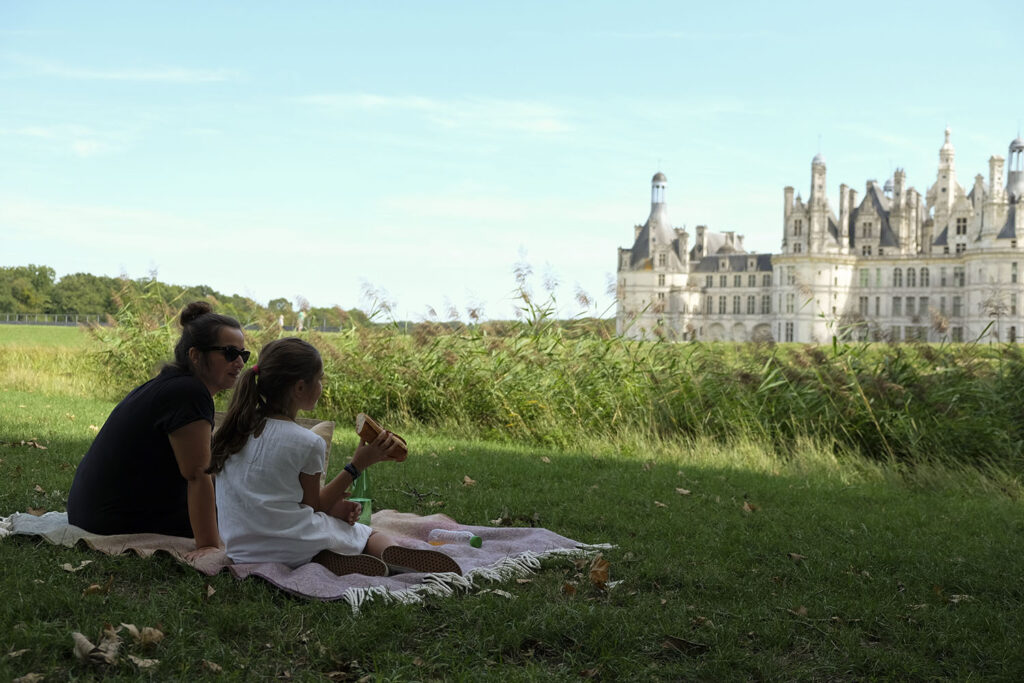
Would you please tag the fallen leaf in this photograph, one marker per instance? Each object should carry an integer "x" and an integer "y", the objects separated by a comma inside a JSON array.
[
  {"x": 747, "y": 507},
  {"x": 434, "y": 504},
  {"x": 522, "y": 581},
  {"x": 94, "y": 428},
  {"x": 466, "y": 481},
  {"x": 81, "y": 565},
  {"x": 39, "y": 489},
  {"x": 17, "y": 653},
  {"x": 36, "y": 512},
  {"x": 143, "y": 663},
  {"x": 797, "y": 557},
  {"x": 960, "y": 598},
  {"x": 94, "y": 588},
  {"x": 683, "y": 492},
  {"x": 545, "y": 459},
  {"x": 212, "y": 666},
  {"x": 29, "y": 678},
  {"x": 659, "y": 504},
  {"x": 210, "y": 590},
  {"x": 418, "y": 661},
  {"x": 599, "y": 571},
  {"x": 569, "y": 589},
  {"x": 800, "y": 611},
  {"x": 688, "y": 647},
  {"x": 104, "y": 653},
  {"x": 648, "y": 465},
  {"x": 590, "y": 673}
]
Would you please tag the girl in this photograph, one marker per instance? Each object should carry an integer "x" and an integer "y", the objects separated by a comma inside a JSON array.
[{"x": 270, "y": 505}]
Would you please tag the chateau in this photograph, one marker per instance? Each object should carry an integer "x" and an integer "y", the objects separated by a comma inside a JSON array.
[{"x": 893, "y": 265}]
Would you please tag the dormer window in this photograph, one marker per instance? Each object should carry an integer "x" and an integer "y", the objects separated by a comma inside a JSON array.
[
  {"x": 798, "y": 227},
  {"x": 961, "y": 226},
  {"x": 661, "y": 260}
]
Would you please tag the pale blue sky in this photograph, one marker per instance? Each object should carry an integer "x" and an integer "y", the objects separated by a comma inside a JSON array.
[{"x": 306, "y": 148}]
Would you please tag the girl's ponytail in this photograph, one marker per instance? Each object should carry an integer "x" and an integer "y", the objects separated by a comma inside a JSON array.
[{"x": 245, "y": 416}]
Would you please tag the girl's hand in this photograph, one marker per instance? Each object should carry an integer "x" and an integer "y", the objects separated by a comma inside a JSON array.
[
  {"x": 347, "y": 511},
  {"x": 386, "y": 446},
  {"x": 194, "y": 555}
]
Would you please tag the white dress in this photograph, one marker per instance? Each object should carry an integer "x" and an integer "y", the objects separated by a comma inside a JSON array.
[{"x": 259, "y": 510}]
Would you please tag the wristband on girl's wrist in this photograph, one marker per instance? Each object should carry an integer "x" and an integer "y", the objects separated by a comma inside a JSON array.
[{"x": 351, "y": 469}]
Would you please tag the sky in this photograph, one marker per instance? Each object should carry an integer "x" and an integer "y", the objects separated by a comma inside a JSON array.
[{"x": 418, "y": 153}]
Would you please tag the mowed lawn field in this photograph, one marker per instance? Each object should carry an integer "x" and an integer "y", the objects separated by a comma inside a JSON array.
[{"x": 731, "y": 561}]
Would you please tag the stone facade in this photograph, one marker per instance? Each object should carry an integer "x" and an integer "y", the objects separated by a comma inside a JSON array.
[{"x": 894, "y": 265}]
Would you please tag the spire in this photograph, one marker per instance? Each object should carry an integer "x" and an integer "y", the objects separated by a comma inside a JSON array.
[{"x": 658, "y": 224}]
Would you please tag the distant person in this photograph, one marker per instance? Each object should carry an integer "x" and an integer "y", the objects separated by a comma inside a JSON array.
[
  {"x": 301, "y": 321},
  {"x": 270, "y": 503},
  {"x": 280, "y": 322},
  {"x": 146, "y": 468}
]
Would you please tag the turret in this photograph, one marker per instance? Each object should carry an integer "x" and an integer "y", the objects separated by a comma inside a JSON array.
[
  {"x": 995, "y": 177},
  {"x": 787, "y": 202},
  {"x": 844, "y": 218},
  {"x": 1015, "y": 175}
]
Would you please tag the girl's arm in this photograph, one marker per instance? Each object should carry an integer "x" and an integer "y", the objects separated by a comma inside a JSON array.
[
  {"x": 191, "y": 445},
  {"x": 384, "y": 447}
]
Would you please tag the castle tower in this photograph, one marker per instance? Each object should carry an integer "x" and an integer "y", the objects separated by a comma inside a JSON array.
[
  {"x": 942, "y": 194},
  {"x": 1015, "y": 171},
  {"x": 818, "y": 204}
]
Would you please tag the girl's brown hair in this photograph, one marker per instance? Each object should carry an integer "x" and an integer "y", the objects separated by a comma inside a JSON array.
[{"x": 263, "y": 390}]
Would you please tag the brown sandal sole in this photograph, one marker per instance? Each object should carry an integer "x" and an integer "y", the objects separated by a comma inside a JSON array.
[
  {"x": 424, "y": 561},
  {"x": 367, "y": 565}
]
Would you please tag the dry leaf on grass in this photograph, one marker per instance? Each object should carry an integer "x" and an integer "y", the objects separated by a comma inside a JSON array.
[
  {"x": 94, "y": 428},
  {"x": 687, "y": 647},
  {"x": 147, "y": 636},
  {"x": 568, "y": 589},
  {"x": 39, "y": 489},
  {"x": 143, "y": 663},
  {"x": 748, "y": 507},
  {"x": 30, "y": 678},
  {"x": 683, "y": 492},
  {"x": 82, "y": 565},
  {"x": 94, "y": 588},
  {"x": 599, "y": 572},
  {"x": 466, "y": 481},
  {"x": 659, "y": 504},
  {"x": 800, "y": 611},
  {"x": 17, "y": 653},
  {"x": 212, "y": 666},
  {"x": 210, "y": 590},
  {"x": 545, "y": 459},
  {"x": 102, "y": 654},
  {"x": 797, "y": 557}
]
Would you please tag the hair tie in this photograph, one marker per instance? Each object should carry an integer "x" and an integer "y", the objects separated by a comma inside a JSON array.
[{"x": 256, "y": 369}]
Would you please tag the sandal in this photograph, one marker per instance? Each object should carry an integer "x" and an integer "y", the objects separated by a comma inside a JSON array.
[
  {"x": 421, "y": 561},
  {"x": 368, "y": 565}
]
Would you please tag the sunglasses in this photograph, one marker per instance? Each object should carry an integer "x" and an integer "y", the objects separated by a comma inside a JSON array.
[{"x": 231, "y": 353}]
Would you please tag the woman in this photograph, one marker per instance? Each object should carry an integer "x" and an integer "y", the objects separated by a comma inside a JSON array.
[{"x": 146, "y": 469}]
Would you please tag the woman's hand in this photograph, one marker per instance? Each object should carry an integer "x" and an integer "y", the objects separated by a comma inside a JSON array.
[{"x": 194, "y": 555}]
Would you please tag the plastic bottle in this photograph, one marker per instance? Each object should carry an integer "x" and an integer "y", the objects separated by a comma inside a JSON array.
[
  {"x": 445, "y": 536},
  {"x": 361, "y": 494}
]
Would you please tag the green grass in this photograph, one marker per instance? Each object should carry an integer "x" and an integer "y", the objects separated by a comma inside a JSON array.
[
  {"x": 888, "y": 553},
  {"x": 45, "y": 335}
]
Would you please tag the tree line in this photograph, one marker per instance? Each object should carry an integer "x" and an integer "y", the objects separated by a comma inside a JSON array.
[{"x": 36, "y": 289}]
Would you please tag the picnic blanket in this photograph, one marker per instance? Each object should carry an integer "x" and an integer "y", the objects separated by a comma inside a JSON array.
[{"x": 507, "y": 552}]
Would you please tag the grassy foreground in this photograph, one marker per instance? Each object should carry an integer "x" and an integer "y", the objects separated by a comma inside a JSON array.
[{"x": 733, "y": 563}]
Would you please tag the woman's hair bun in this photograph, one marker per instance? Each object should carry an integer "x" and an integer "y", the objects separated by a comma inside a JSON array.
[{"x": 194, "y": 310}]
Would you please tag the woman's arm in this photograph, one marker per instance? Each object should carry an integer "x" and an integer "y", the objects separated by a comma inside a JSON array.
[{"x": 191, "y": 445}]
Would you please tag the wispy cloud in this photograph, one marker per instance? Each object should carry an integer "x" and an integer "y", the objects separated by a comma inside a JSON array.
[
  {"x": 161, "y": 74},
  {"x": 81, "y": 141},
  {"x": 469, "y": 112}
]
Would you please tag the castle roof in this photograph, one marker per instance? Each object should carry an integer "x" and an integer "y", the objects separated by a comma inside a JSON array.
[{"x": 1009, "y": 230}]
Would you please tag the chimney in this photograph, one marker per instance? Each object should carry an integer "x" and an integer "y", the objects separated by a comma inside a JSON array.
[{"x": 995, "y": 177}]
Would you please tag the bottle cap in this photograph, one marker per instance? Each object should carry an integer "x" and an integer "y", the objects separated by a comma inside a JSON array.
[{"x": 476, "y": 541}]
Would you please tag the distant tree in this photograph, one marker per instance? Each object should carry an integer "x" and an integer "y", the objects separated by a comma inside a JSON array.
[
  {"x": 280, "y": 306},
  {"x": 26, "y": 289},
  {"x": 85, "y": 293}
]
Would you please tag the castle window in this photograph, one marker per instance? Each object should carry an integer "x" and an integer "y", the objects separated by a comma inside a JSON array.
[
  {"x": 798, "y": 248},
  {"x": 1013, "y": 334},
  {"x": 942, "y": 305},
  {"x": 789, "y": 332},
  {"x": 737, "y": 281},
  {"x": 961, "y": 226},
  {"x": 945, "y": 249},
  {"x": 790, "y": 277},
  {"x": 709, "y": 304},
  {"x": 878, "y": 277},
  {"x": 958, "y": 276},
  {"x": 766, "y": 280},
  {"x": 911, "y": 277},
  {"x": 922, "y": 305},
  {"x": 897, "y": 306},
  {"x": 956, "y": 334},
  {"x": 766, "y": 304},
  {"x": 865, "y": 250},
  {"x": 865, "y": 277},
  {"x": 878, "y": 306},
  {"x": 862, "y": 306},
  {"x": 721, "y": 304},
  {"x": 723, "y": 281},
  {"x": 736, "y": 305},
  {"x": 910, "y": 306},
  {"x": 661, "y": 296},
  {"x": 961, "y": 248},
  {"x": 924, "y": 277},
  {"x": 942, "y": 276},
  {"x": 865, "y": 230},
  {"x": 1013, "y": 304},
  {"x": 1013, "y": 272},
  {"x": 958, "y": 307},
  {"x": 897, "y": 277},
  {"x": 661, "y": 259},
  {"x": 709, "y": 280},
  {"x": 798, "y": 227},
  {"x": 751, "y": 305},
  {"x": 790, "y": 299},
  {"x": 661, "y": 279},
  {"x": 751, "y": 280}
]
